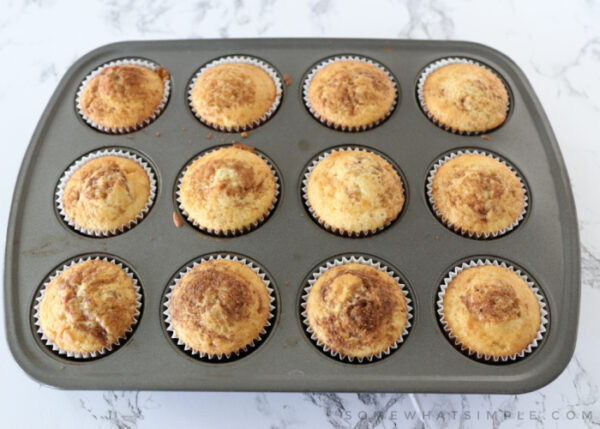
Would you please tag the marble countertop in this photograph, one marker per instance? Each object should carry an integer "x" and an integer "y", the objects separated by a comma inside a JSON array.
[{"x": 556, "y": 43}]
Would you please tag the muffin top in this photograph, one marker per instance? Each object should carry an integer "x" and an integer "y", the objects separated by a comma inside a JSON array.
[
  {"x": 106, "y": 193},
  {"x": 477, "y": 194},
  {"x": 491, "y": 310},
  {"x": 466, "y": 97},
  {"x": 356, "y": 310},
  {"x": 228, "y": 189},
  {"x": 233, "y": 95},
  {"x": 355, "y": 191},
  {"x": 122, "y": 96},
  {"x": 88, "y": 307},
  {"x": 219, "y": 307},
  {"x": 351, "y": 93}
]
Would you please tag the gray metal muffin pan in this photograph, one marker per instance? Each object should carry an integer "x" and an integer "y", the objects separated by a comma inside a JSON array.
[{"x": 290, "y": 244}]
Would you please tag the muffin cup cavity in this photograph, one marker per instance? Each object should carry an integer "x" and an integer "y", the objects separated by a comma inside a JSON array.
[
  {"x": 445, "y": 62},
  {"x": 483, "y": 357},
  {"x": 235, "y": 232},
  {"x": 124, "y": 130},
  {"x": 359, "y": 259},
  {"x": 225, "y": 357},
  {"x": 105, "y": 350},
  {"x": 236, "y": 59},
  {"x": 123, "y": 153},
  {"x": 458, "y": 229},
  {"x": 309, "y": 77},
  {"x": 341, "y": 232}
]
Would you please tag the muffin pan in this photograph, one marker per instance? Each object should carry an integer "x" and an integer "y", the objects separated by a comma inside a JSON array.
[{"x": 290, "y": 244}]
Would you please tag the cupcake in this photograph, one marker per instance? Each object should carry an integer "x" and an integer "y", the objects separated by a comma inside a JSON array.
[
  {"x": 476, "y": 194},
  {"x": 106, "y": 192},
  {"x": 356, "y": 311},
  {"x": 124, "y": 95},
  {"x": 235, "y": 93},
  {"x": 228, "y": 191},
  {"x": 87, "y": 308},
  {"x": 462, "y": 96},
  {"x": 219, "y": 307},
  {"x": 353, "y": 192},
  {"x": 491, "y": 311},
  {"x": 350, "y": 93}
]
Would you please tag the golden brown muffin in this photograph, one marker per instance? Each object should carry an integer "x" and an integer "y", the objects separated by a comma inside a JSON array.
[
  {"x": 477, "y": 194},
  {"x": 230, "y": 189},
  {"x": 123, "y": 96},
  {"x": 351, "y": 94},
  {"x": 233, "y": 95},
  {"x": 492, "y": 311},
  {"x": 88, "y": 307},
  {"x": 466, "y": 97},
  {"x": 219, "y": 307},
  {"x": 106, "y": 193},
  {"x": 355, "y": 191},
  {"x": 356, "y": 310}
]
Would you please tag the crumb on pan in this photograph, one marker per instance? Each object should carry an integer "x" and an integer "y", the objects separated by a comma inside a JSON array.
[
  {"x": 387, "y": 50},
  {"x": 177, "y": 220},
  {"x": 157, "y": 134},
  {"x": 184, "y": 129},
  {"x": 209, "y": 136},
  {"x": 287, "y": 79},
  {"x": 244, "y": 134},
  {"x": 485, "y": 137}
]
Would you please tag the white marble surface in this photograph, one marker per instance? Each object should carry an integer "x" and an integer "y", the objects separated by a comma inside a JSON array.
[{"x": 557, "y": 44}]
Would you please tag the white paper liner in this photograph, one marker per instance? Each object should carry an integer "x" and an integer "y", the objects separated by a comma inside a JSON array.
[
  {"x": 123, "y": 130},
  {"x": 218, "y": 257},
  {"x": 534, "y": 288},
  {"x": 331, "y": 124},
  {"x": 239, "y": 60},
  {"x": 321, "y": 222},
  {"x": 228, "y": 233},
  {"x": 343, "y": 260},
  {"x": 105, "y": 350},
  {"x": 457, "y": 228},
  {"x": 444, "y": 62},
  {"x": 123, "y": 153}
]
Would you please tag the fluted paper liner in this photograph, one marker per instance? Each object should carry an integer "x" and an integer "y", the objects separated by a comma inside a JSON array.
[
  {"x": 239, "y": 60},
  {"x": 105, "y": 350},
  {"x": 343, "y": 260},
  {"x": 457, "y": 228},
  {"x": 321, "y": 222},
  {"x": 331, "y": 124},
  {"x": 123, "y": 153},
  {"x": 255, "y": 341},
  {"x": 444, "y": 62},
  {"x": 124, "y": 130},
  {"x": 484, "y": 356},
  {"x": 236, "y": 232}
]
